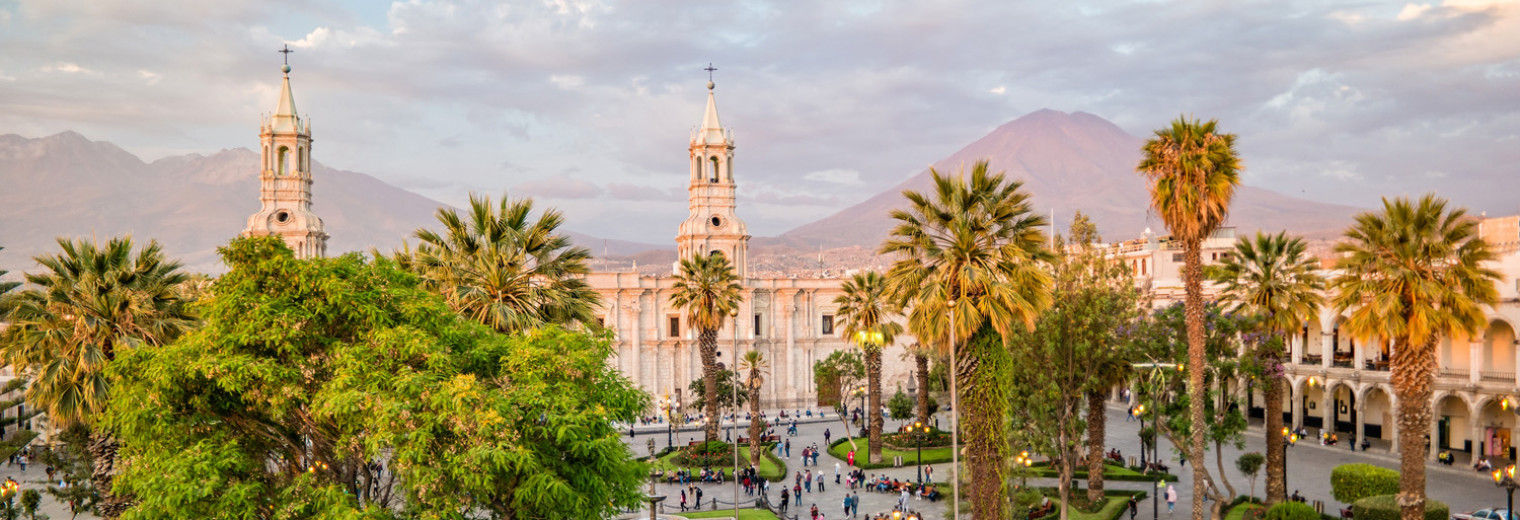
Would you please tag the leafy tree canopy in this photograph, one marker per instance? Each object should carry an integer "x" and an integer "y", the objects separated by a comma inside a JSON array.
[
  {"x": 725, "y": 391},
  {"x": 337, "y": 388}
]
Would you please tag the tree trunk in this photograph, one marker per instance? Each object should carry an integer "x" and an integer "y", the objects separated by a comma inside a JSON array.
[
  {"x": 708, "y": 344},
  {"x": 923, "y": 387},
  {"x": 984, "y": 370},
  {"x": 1277, "y": 485},
  {"x": 103, "y": 447},
  {"x": 873, "y": 385},
  {"x": 756, "y": 425},
  {"x": 1097, "y": 422},
  {"x": 1063, "y": 480},
  {"x": 1196, "y": 365},
  {"x": 1414, "y": 370}
]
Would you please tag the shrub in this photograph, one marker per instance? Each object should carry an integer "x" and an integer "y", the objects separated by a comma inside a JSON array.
[
  {"x": 706, "y": 454},
  {"x": 1386, "y": 507},
  {"x": 1352, "y": 482},
  {"x": 1292, "y": 511}
]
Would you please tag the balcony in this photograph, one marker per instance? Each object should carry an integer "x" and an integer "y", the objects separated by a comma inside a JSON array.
[
  {"x": 1378, "y": 366},
  {"x": 1313, "y": 359},
  {"x": 1343, "y": 362},
  {"x": 1497, "y": 376},
  {"x": 1453, "y": 372}
]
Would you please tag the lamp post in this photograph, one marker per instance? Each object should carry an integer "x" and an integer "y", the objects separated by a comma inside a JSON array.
[
  {"x": 1023, "y": 459},
  {"x": 1155, "y": 499},
  {"x": 1139, "y": 411},
  {"x": 1289, "y": 439},
  {"x": 918, "y": 429},
  {"x": 734, "y": 385},
  {"x": 1505, "y": 478},
  {"x": 8, "y": 492}
]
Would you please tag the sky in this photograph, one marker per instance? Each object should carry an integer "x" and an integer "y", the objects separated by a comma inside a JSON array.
[{"x": 588, "y": 105}]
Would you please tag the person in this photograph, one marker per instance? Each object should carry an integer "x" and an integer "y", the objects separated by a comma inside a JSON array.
[
  {"x": 855, "y": 505},
  {"x": 785, "y": 496},
  {"x": 813, "y": 512},
  {"x": 826, "y": 435},
  {"x": 1366, "y": 444},
  {"x": 847, "y": 504},
  {"x": 683, "y": 500},
  {"x": 1171, "y": 498},
  {"x": 929, "y": 474},
  {"x": 788, "y": 448},
  {"x": 850, "y": 459},
  {"x": 820, "y": 482},
  {"x": 807, "y": 481},
  {"x": 1296, "y": 497},
  {"x": 836, "y": 473},
  {"x": 1134, "y": 506},
  {"x": 699, "y": 497}
]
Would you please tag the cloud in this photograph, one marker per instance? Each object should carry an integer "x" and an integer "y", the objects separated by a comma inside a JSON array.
[
  {"x": 558, "y": 187},
  {"x": 635, "y": 192},
  {"x": 835, "y": 176}
]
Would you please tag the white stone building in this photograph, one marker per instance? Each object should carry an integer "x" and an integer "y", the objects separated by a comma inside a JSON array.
[
  {"x": 285, "y": 180},
  {"x": 791, "y": 320}
]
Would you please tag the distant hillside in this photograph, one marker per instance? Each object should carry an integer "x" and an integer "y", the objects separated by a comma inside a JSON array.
[
  {"x": 67, "y": 185},
  {"x": 1069, "y": 162}
]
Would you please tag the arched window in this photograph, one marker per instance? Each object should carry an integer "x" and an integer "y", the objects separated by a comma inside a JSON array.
[
  {"x": 712, "y": 169},
  {"x": 284, "y": 161}
]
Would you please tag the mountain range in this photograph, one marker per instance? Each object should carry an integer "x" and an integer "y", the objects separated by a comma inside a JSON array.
[
  {"x": 1069, "y": 162},
  {"x": 68, "y": 185}
]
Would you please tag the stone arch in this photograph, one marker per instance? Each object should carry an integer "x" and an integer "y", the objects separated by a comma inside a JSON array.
[
  {"x": 1376, "y": 409},
  {"x": 1453, "y": 422},
  {"x": 282, "y": 159},
  {"x": 1498, "y": 363},
  {"x": 1341, "y": 416},
  {"x": 1495, "y": 426},
  {"x": 712, "y": 169},
  {"x": 1453, "y": 353},
  {"x": 1342, "y": 342}
]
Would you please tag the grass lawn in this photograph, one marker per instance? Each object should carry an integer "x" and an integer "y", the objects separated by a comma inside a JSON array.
[
  {"x": 841, "y": 451},
  {"x": 768, "y": 468},
  {"x": 1110, "y": 511},
  {"x": 1110, "y": 471},
  {"x": 1239, "y": 512},
  {"x": 744, "y": 514}
]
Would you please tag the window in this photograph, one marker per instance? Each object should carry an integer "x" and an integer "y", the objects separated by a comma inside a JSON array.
[
  {"x": 675, "y": 326},
  {"x": 1176, "y": 257},
  {"x": 828, "y": 324},
  {"x": 284, "y": 158},
  {"x": 601, "y": 321},
  {"x": 712, "y": 170},
  {"x": 758, "y": 334}
]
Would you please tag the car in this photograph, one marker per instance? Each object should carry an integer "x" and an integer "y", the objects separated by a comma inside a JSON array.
[{"x": 1485, "y": 514}]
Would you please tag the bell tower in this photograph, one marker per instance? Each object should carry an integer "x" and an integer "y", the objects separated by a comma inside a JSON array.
[
  {"x": 285, "y": 180},
  {"x": 712, "y": 224}
]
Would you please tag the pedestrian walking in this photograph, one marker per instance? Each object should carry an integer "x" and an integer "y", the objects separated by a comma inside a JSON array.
[
  {"x": 847, "y": 504},
  {"x": 699, "y": 498},
  {"x": 1134, "y": 507},
  {"x": 855, "y": 505},
  {"x": 820, "y": 482},
  {"x": 826, "y": 435},
  {"x": 836, "y": 473},
  {"x": 683, "y": 500},
  {"x": 929, "y": 474},
  {"x": 1171, "y": 498},
  {"x": 851, "y": 458}
]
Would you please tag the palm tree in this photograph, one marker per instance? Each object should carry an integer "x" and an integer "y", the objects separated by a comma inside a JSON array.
[
  {"x": 1413, "y": 273},
  {"x": 867, "y": 317},
  {"x": 87, "y": 303},
  {"x": 921, "y": 355},
  {"x": 499, "y": 267},
  {"x": 708, "y": 289},
  {"x": 973, "y": 244},
  {"x": 758, "y": 366},
  {"x": 1193, "y": 170},
  {"x": 1272, "y": 277}
]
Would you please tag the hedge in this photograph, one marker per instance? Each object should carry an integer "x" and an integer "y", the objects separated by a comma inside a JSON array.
[
  {"x": 1292, "y": 511},
  {"x": 1386, "y": 507},
  {"x": 1352, "y": 482}
]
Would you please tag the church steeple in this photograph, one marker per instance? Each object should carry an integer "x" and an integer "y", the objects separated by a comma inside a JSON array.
[
  {"x": 712, "y": 225},
  {"x": 285, "y": 179}
]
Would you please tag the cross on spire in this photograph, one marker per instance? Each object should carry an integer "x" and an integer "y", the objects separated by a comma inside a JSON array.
[
  {"x": 286, "y": 51},
  {"x": 709, "y": 70}
]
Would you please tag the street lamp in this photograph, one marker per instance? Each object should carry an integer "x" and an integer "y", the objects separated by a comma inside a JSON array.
[
  {"x": 1289, "y": 439},
  {"x": 1139, "y": 412},
  {"x": 1023, "y": 459},
  {"x": 734, "y": 385},
  {"x": 8, "y": 491},
  {"x": 918, "y": 429},
  {"x": 1505, "y": 478}
]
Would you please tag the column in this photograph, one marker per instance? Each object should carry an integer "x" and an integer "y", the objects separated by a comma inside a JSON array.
[
  {"x": 1430, "y": 454},
  {"x": 1475, "y": 436},
  {"x": 1296, "y": 349},
  {"x": 1475, "y": 361},
  {"x": 1358, "y": 353},
  {"x": 1327, "y": 409},
  {"x": 1361, "y": 421},
  {"x": 1297, "y": 406},
  {"x": 790, "y": 311},
  {"x": 630, "y": 338},
  {"x": 1392, "y": 425},
  {"x": 1326, "y": 349}
]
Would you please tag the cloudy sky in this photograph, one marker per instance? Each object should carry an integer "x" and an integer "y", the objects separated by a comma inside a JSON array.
[{"x": 588, "y": 104}]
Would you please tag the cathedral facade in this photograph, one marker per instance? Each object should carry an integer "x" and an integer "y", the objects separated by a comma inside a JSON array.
[{"x": 792, "y": 321}]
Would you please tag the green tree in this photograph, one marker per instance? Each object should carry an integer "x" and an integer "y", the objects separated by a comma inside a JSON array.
[
  {"x": 867, "y": 318},
  {"x": 1068, "y": 357},
  {"x": 500, "y": 267},
  {"x": 72, "y": 462},
  {"x": 972, "y": 245},
  {"x": 1414, "y": 272},
  {"x": 1193, "y": 170},
  {"x": 900, "y": 406},
  {"x": 1249, "y": 464},
  {"x": 88, "y": 305},
  {"x": 708, "y": 289},
  {"x": 755, "y": 364},
  {"x": 836, "y": 376},
  {"x": 338, "y": 388},
  {"x": 726, "y": 391},
  {"x": 1274, "y": 279}
]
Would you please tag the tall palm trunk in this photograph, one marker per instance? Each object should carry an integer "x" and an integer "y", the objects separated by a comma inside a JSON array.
[
  {"x": 984, "y": 370},
  {"x": 1414, "y": 371},
  {"x": 1097, "y": 423},
  {"x": 923, "y": 387},
  {"x": 1193, "y": 287},
  {"x": 756, "y": 425},
  {"x": 873, "y": 383},
  {"x": 1277, "y": 485},
  {"x": 103, "y": 447},
  {"x": 708, "y": 344}
]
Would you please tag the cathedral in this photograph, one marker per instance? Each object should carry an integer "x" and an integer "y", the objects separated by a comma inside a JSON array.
[{"x": 791, "y": 320}]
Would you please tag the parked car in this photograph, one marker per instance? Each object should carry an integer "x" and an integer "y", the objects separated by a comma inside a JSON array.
[{"x": 1485, "y": 514}]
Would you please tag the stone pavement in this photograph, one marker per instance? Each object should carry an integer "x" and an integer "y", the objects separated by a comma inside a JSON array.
[{"x": 33, "y": 478}]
